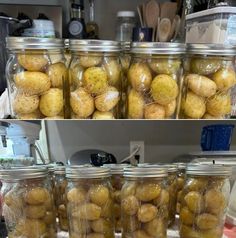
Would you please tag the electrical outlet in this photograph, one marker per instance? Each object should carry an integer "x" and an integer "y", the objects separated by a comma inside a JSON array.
[{"x": 134, "y": 145}]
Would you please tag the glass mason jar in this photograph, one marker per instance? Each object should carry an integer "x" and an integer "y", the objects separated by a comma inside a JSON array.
[
  {"x": 36, "y": 75},
  {"x": 153, "y": 80},
  {"x": 51, "y": 176},
  {"x": 95, "y": 79},
  {"x": 209, "y": 76},
  {"x": 144, "y": 203},
  {"x": 204, "y": 201},
  {"x": 117, "y": 181},
  {"x": 60, "y": 195},
  {"x": 28, "y": 206},
  {"x": 89, "y": 202}
]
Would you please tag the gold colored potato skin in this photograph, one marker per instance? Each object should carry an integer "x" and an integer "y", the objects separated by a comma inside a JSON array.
[
  {"x": 57, "y": 74},
  {"x": 147, "y": 212},
  {"x": 36, "y": 196},
  {"x": 130, "y": 205},
  {"x": 195, "y": 202},
  {"x": 76, "y": 195},
  {"x": 155, "y": 228},
  {"x": 35, "y": 212},
  {"x": 154, "y": 111},
  {"x": 147, "y": 191},
  {"x": 186, "y": 216},
  {"x": 24, "y": 104},
  {"x": 99, "y": 195},
  {"x": 87, "y": 211},
  {"x": 32, "y": 62},
  {"x": 135, "y": 105},
  {"x": 206, "y": 221}
]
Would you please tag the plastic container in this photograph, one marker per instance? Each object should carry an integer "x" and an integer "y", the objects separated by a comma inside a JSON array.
[
  {"x": 144, "y": 202},
  {"x": 216, "y": 137},
  {"x": 209, "y": 76},
  {"x": 212, "y": 26},
  {"x": 204, "y": 201},
  {"x": 95, "y": 79},
  {"x": 37, "y": 78},
  {"x": 28, "y": 206},
  {"x": 153, "y": 80},
  {"x": 90, "y": 203}
]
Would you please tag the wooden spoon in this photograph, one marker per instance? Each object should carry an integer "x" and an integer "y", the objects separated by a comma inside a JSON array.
[
  {"x": 140, "y": 14},
  {"x": 178, "y": 27},
  {"x": 175, "y": 24},
  {"x": 168, "y": 10},
  {"x": 164, "y": 29},
  {"x": 144, "y": 14}
]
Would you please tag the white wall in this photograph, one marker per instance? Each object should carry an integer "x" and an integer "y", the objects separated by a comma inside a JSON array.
[{"x": 164, "y": 140}]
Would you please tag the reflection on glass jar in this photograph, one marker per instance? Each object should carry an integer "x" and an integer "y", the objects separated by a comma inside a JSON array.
[
  {"x": 208, "y": 79},
  {"x": 144, "y": 203},
  {"x": 153, "y": 80},
  {"x": 37, "y": 76},
  {"x": 95, "y": 79},
  {"x": 28, "y": 206},
  {"x": 89, "y": 202},
  {"x": 204, "y": 201}
]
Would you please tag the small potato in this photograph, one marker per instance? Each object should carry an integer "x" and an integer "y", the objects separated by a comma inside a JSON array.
[
  {"x": 97, "y": 115},
  {"x": 188, "y": 232},
  {"x": 128, "y": 189},
  {"x": 87, "y": 61},
  {"x": 108, "y": 100},
  {"x": 135, "y": 105},
  {"x": 12, "y": 200},
  {"x": 107, "y": 209},
  {"x": 212, "y": 233},
  {"x": 102, "y": 226},
  {"x": 125, "y": 62},
  {"x": 76, "y": 74},
  {"x": 32, "y": 62},
  {"x": 24, "y": 104},
  {"x": 148, "y": 191},
  {"x": 215, "y": 202},
  {"x": 130, "y": 205},
  {"x": 95, "y": 235},
  {"x": 35, "y": 212},
  {"x": 113, "y": 70},
  {"x": 36, "y": 196},
  {"x": 201, "y": 85},
  {"x": 219, "y": 105},
  {"x": 99, "y": 195},
  {"x": 30, "y": 116},
  {"x": 87, "y": 211},
  {"x": 95, "y": 80},
  {"x": 154, "y": 111},
  {"x": 140, "y": 77},
  {"x": 76, "y": 195},
  {"x": 163, "y": 199},
  {"x": 140, "y": 234},
  {"x": 32, "y": 83},
  {"x": 164, "y": 89},
  {"x": 170, "y": 109},
  {"x": 81, "y": 226},
  {"x": 130, "y": 224},
  {"x": 57, "y": 74},
  {"x": 165, "y": 66},
  {"x": 206, "y": 221},
  {"x": 51, "y": 102},
  {"x": 194, "y": 201},
  {"x": 224, "y": 79},
  {"x": 186, "y": 217},
  {"x": 197, "y": 184},
  {"x": 156, "y": 227},
  {"x": 180, "y": 182},
  {"x": 211, "y": 117},
  {"x": 147, "y": 212},
  {"x": 117, "y": 196},
  {"x": 194, "y": 106},
  {"x": 49, "y": 218},
  {"x": 82, "y": 103}
]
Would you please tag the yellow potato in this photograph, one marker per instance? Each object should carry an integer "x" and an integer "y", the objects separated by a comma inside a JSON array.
[
  {"x": 57, "y": 74},
  {"x": 206, "y": 221},
  {"x": 194, "y": 106},
  {"x": 130, "y": 205},
  {"x": 210, "y": 117},
  {"x": 35, "y": 212},
  {"x": 140, "y": 234},
  {"x": 102, "y": 226},
  {"x": 76, "y": 74},
  {"x": 219, "y": 105},
  {"x": 165, "y": 66},
  {"x": 90, "y": 60},
  {"x": 99, "y": 194},
  {"x": 95, "y": 80},
  {"x": 140, "y": 77},
  {"x": 188, "y": 232},
  {"x": 186, "y": 217},
  {"x": 170, "y": 109},
  {"x": 148, "y": 191},
  {"x": 107, "y": 209},
  {"x": 82, "y": 103},
  {"x": 24, "y": 104},
  {"x": 30, "y": 116},
  {"x": 125, "y": 62},
  {"x": 198, "y": 184},
  {"x": 81, "y": 226},
  {"x": 113, "y": 70},
  {"x": 97, "y": 115},
  {"x": 212, "y": 233},
  {"x": 32, "y": 83},
  {"x": 87, "y": 211},
  {"x": 51, "y": 102},
  {"x": 95, "y": 235},
  {"x": 224, "y": 79},
  {"x": 201, "y": 85},
  {"x": 76, "y": 195},
  {"x": 147, "y": 212},
  {"x": 194, "y": 201},
  {"x": 130, "y": 223},
  {"x": 12, "y": 199},
  {"x": 180, "y": 182},
  {"x": 154, "y": 111},
  {"x": 156, "y": 227},
  {"x": 108, "y": 100},
  {"x": 32, "y": 62},
  {"x": 128, "y": 189},
  {"x": 163, "y": 199},
  {"x": 36, "y": 196},
  {"x": 164, "y": 89},
  {"x": 135, "y": 105},
  {"x": 49, "y": 218}
]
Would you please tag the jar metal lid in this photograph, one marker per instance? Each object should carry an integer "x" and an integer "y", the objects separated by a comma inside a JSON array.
[
  {"x": 145, "y": 172},
  {"x": 158, "y": 48},
  {"x": 208, "y": 170},
  {"x": 50, "y": 167},
  {"x": 211, "y": 49},
  {"x": 125, "y": 46},
  {"x": 116, "y": 168},
  {"x": 87, "y": 172},
  {"x": 181, "y": 165},
  {"x": 95, "y": 46},
  {"x": 60, "y": 170},
  {"x": 171, "y": 168},
  {"x": 20, "y": 173},
  {"x": 34, "y": 43}
]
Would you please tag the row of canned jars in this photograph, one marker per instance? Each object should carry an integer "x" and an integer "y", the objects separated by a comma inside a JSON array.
[
  {"x": 149, "y": 81},
  {"x": 136, "y": 201}
]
